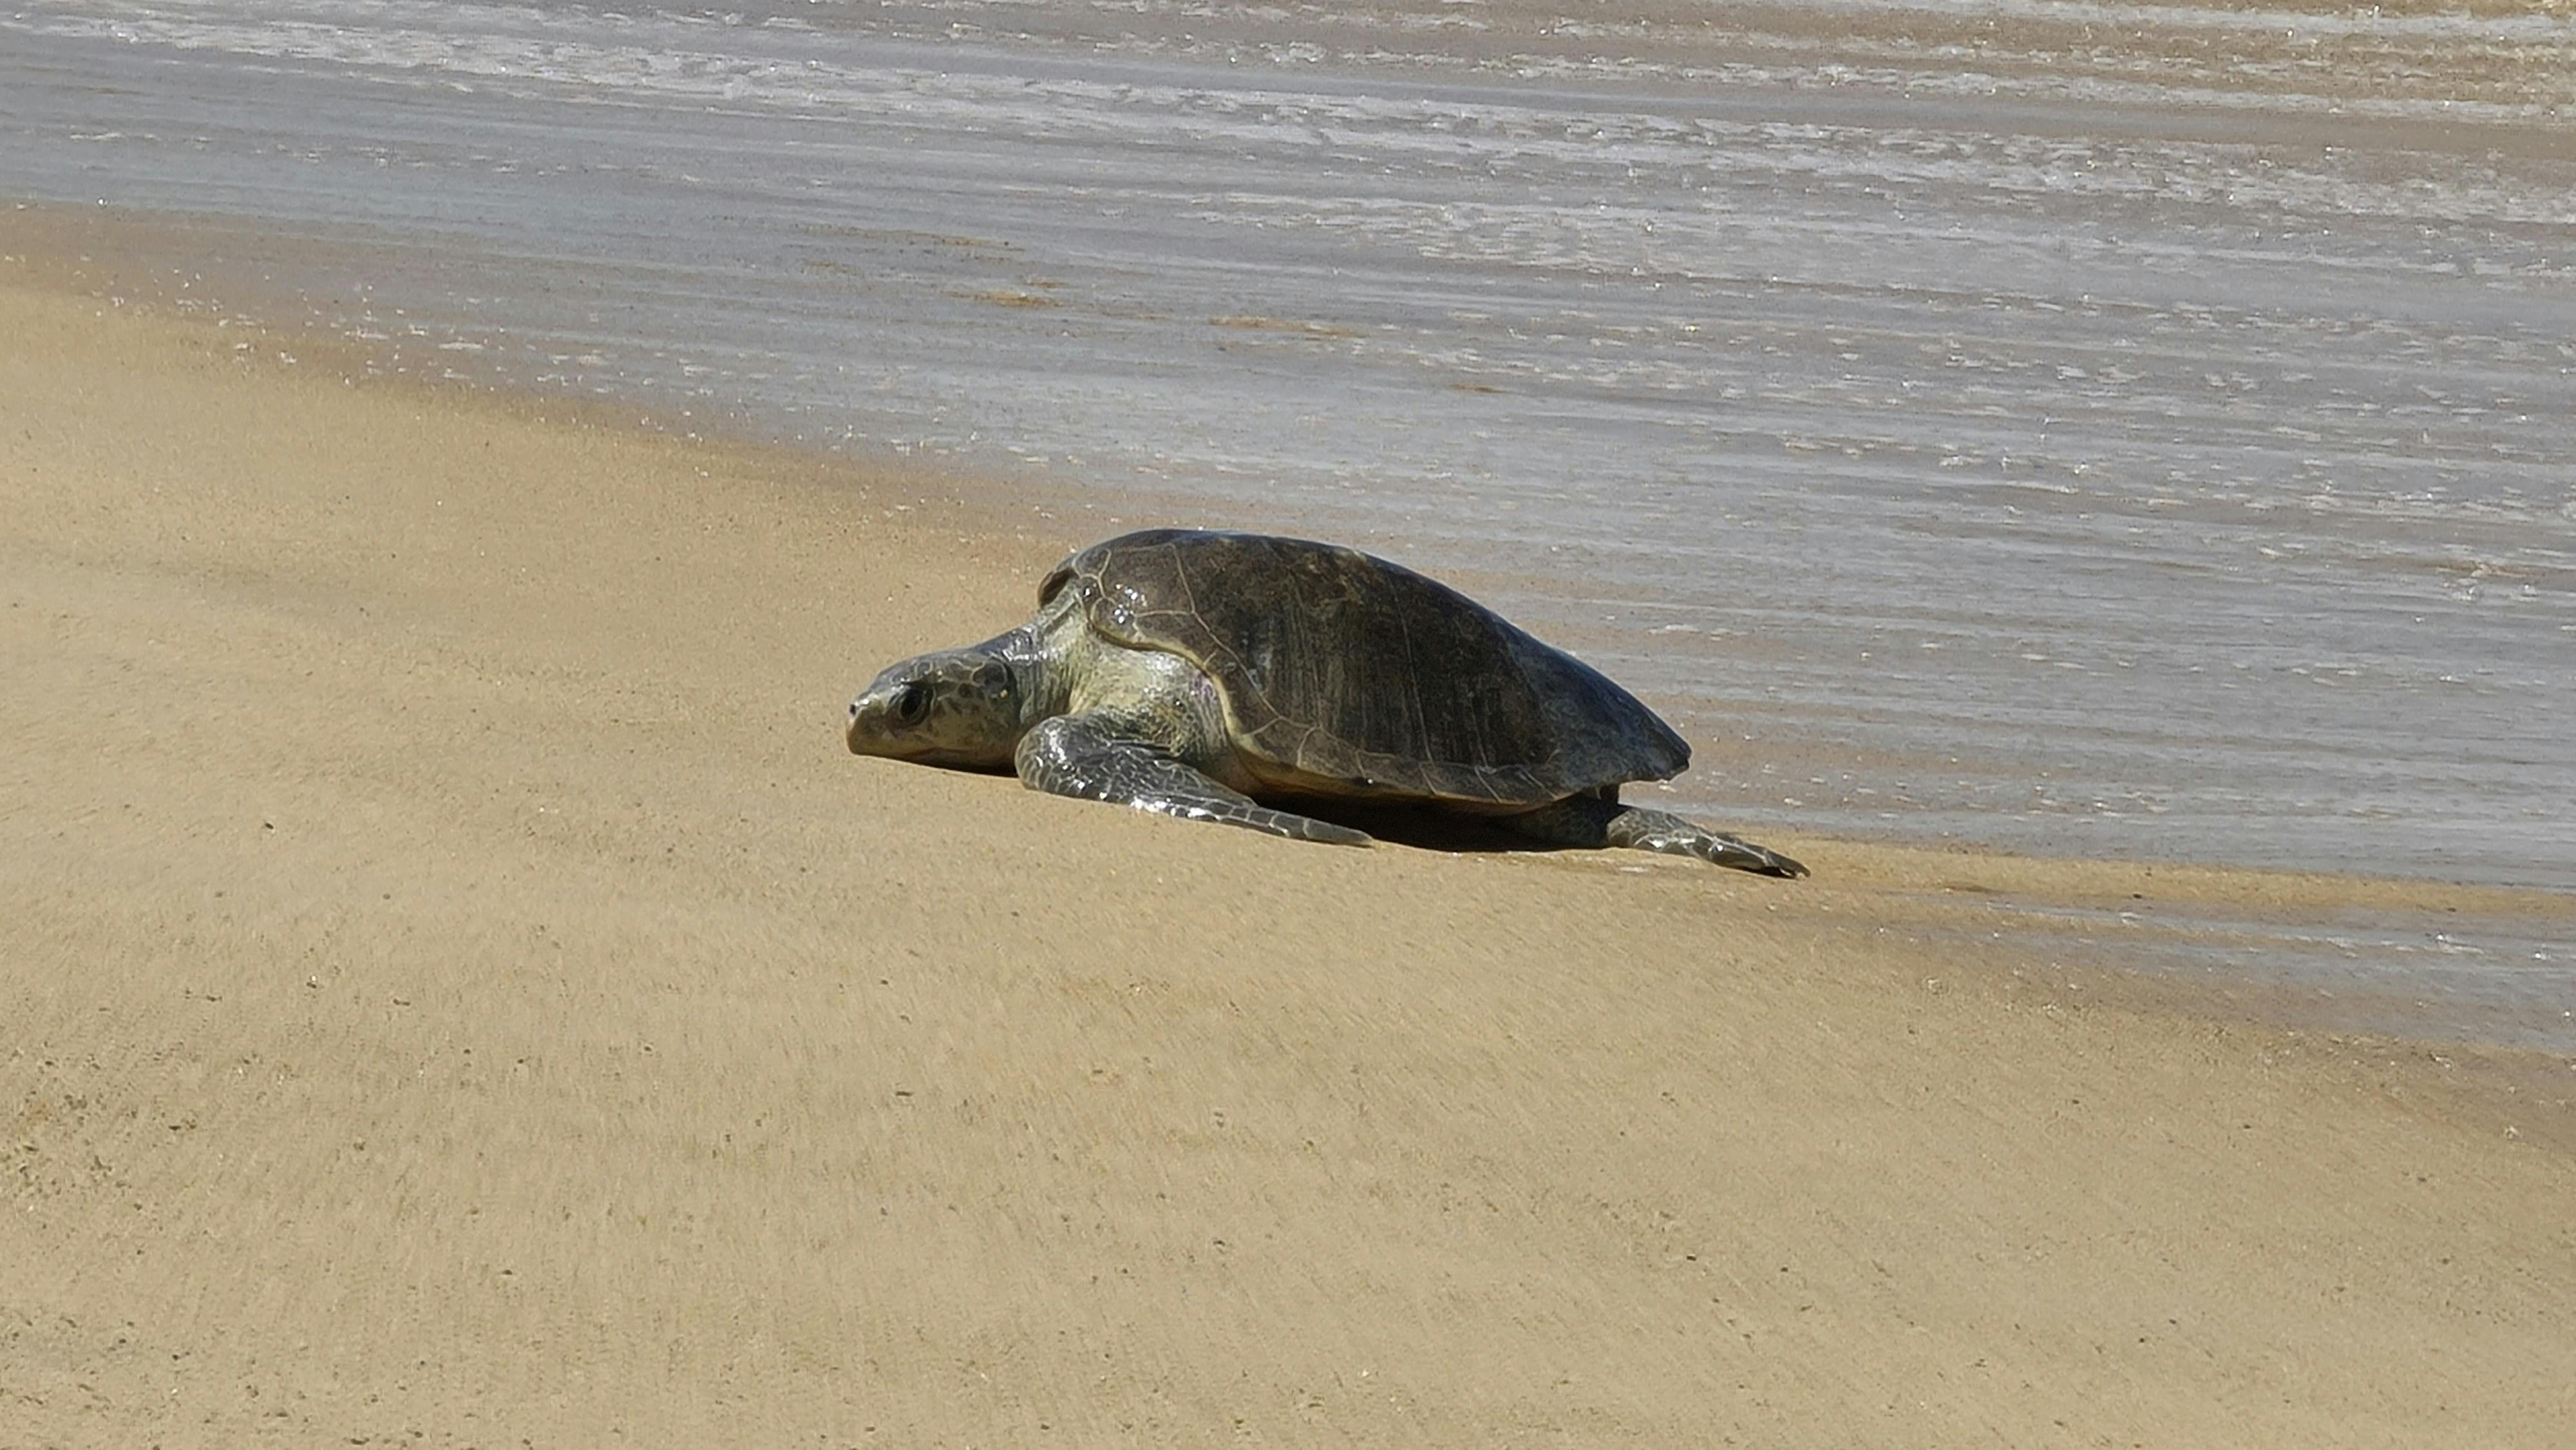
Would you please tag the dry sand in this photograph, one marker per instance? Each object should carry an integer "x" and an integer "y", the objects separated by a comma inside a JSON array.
[{"x": 455, "y": 990}]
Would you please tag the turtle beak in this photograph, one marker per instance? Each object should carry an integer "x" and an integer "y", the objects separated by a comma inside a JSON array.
[
  {"x": 859, "y": 732},
  {"x": 872, "y": 729}
]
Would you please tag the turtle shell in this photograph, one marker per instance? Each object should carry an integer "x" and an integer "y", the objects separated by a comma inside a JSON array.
[{"x": 1343, "y": 674}]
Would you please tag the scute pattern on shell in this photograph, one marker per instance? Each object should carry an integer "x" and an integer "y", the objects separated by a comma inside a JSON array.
[{"x": 1355, "y": 676}]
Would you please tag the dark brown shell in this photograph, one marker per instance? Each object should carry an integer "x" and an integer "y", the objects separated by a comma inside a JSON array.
[{"x": 1353, "y": 676}]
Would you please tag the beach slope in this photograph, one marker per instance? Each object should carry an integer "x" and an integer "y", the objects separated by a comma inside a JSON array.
[{"x": 458, "y": 991}]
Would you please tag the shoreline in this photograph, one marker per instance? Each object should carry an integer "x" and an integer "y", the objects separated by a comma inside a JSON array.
[
  {"x": 2140, "y": 478},
  {"x": 441, "y": 901},
  {"x": 94, "y": 252},
  {"x": 2279, "y": 933}
]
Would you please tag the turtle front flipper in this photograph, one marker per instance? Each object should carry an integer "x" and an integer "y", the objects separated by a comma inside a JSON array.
[
  {"x": 1593, "y": 821},
  {"x": 1086, "y": 756}
]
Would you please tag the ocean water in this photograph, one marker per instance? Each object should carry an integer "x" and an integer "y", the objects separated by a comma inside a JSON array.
[{"x": 2141, "y": 431}]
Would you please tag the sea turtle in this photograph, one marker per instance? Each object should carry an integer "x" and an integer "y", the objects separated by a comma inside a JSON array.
[{"x": 1200, "y": 674}]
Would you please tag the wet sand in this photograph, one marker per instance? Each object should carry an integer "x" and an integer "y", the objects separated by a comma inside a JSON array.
[{"x": 460, "y": 993}]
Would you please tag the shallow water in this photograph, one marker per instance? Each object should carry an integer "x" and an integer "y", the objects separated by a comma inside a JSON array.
[{"x": 2089, "y": 429}]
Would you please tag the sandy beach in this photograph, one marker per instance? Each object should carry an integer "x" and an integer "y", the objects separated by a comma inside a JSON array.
[{"x": 459, "y": 992}]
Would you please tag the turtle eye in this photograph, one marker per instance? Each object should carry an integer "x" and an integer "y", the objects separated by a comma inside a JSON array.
[{"x": 912, "y": 704}]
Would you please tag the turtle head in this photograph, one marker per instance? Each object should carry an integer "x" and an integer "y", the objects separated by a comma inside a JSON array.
[{"x": 959, "y": 707}]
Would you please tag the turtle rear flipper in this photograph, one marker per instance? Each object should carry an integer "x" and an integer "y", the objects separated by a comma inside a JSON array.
[
  {"x": 1087, "y": 757},
  {"x": 1594, "y": 822}
]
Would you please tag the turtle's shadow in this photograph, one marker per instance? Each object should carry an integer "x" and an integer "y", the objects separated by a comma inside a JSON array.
[{"x": 1423, "y": 828}]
